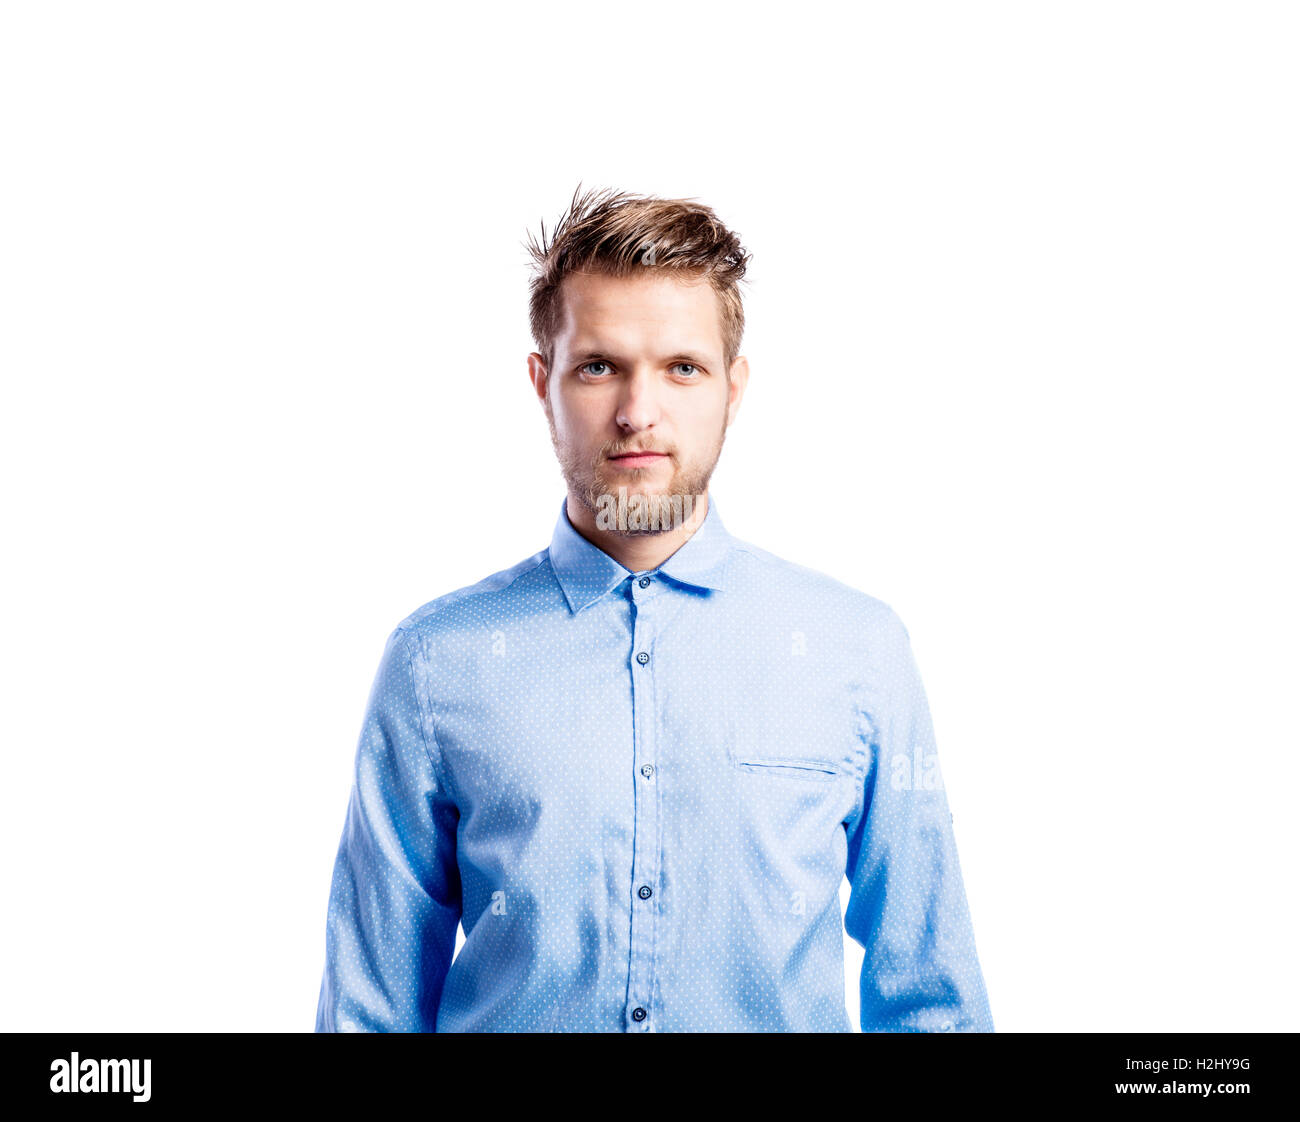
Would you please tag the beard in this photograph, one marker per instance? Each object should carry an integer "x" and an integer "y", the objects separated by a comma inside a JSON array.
[{"x": 582, "y": 474}]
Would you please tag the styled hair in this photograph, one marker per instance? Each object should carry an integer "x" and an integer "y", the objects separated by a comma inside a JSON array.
[{"x": 617, "y": 233}]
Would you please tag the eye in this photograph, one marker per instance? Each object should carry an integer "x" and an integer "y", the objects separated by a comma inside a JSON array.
[
  {"x": 586, "y": 367},
  {"x": 689, "y": 369}
]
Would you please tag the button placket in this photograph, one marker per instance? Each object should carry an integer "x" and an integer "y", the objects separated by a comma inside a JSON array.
[{"x": 645, "y": 848}]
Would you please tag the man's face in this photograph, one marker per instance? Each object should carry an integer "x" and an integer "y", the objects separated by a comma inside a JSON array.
[{"x": 638, "y": 367}]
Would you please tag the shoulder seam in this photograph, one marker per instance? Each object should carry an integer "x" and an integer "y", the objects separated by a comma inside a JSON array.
[
  {"x": 469, "y": 591},
  {"x": 775, "y": 560}
]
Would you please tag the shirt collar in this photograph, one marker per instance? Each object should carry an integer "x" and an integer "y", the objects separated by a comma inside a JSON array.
[{"x": 586, "y": 572}]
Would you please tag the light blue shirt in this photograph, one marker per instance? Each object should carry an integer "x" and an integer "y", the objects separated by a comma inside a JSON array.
[{"x": 639, "y": 794}]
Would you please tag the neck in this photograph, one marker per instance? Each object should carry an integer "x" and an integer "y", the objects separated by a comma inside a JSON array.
[{"x": 636, "y": 552}]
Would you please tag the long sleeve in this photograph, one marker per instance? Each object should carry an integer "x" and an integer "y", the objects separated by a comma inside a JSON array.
[
  {"x": 907, "y": 904},
  {"x": 395, "y": 895}
]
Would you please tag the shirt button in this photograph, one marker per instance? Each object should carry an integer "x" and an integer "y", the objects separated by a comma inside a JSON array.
[
  {"x": 647, "y": 770},
  {"x": 644, "y": 582},
  {"x": 639, "y": 1014},
  {"x": 946, "y": 1026},
  {"x": 645, "y": 892},
  {"x": 643, "y": 658}
]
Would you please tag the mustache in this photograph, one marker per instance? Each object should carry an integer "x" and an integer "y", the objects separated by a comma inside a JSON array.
[{"x": 633, "y": 451}]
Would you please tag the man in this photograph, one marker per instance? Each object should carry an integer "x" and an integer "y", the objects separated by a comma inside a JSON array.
[{"x": 637, "y": 766}]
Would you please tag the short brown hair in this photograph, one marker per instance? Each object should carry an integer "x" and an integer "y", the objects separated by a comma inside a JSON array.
[{"x": 617, "y": 233}]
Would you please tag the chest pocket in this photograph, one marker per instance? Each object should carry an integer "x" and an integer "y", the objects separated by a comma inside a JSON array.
[{"x": 806, "y": 769}]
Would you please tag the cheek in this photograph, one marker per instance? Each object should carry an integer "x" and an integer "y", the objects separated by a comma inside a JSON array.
[
  {"x": 576, "y": 423},
  {"x": 702, "y": 430}
]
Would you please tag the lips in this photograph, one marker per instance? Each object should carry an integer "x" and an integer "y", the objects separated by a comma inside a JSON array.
[{"x": 638, "y": 459}]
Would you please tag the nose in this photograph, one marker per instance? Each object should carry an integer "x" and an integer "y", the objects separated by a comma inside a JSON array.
[{"x": 638, "y": 404}]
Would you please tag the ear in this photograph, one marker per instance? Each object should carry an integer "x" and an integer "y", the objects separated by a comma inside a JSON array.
[
  {"x": 739, "y": 380},
  {"x": 538, "y": 376}
]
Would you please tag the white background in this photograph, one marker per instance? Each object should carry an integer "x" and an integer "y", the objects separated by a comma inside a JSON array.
[{"x": 1024, "y": 348}]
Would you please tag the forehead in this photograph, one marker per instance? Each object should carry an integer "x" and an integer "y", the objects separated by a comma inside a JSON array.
[{"x": 642, "y": 309}]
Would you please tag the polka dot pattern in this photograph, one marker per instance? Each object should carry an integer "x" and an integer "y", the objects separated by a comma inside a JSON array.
[{"x": 639, "y": 794}]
